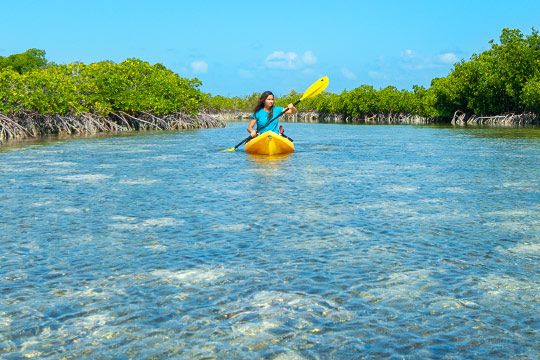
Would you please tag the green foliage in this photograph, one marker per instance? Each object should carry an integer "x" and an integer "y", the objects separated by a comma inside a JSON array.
[
  {"x": 531, "y": 94},
  {"x": 136, "y": 86},
  {"x": 222, "y": 103},
  {"x": 492, "y": 82},
  {"x": 133, "y": 86},
  {"x": 10, "y": 91},
  {"x": 24, "y": 62}
]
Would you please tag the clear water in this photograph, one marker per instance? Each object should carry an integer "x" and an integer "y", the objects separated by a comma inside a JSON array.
[{"x": 368, "y": 242}]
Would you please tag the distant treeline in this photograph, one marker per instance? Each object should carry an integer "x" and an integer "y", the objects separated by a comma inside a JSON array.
[{"x": 504, "y": 79}]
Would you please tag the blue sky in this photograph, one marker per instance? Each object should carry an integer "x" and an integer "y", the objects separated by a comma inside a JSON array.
[{"x": 242, "y": 47}]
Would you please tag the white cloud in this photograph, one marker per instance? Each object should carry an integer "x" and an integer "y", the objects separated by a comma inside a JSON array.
[
  {"x": 282, "y": 60},
  {"x": 348, "y": 73},
  {"x": 421, "y": 62},
  {"x": 408, "y": 53},
  {"x": 199, "y": 66},
  {"x": 289, "y": 60},
  {"x": 448, "y": 58}
]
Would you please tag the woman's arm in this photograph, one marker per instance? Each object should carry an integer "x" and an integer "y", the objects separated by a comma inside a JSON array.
[{"x": 250, "y": 130}]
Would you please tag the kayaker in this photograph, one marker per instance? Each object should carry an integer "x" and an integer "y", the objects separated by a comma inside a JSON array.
[{"x": 264, "y": 111}]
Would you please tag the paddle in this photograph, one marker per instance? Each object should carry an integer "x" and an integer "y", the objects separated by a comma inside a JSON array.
[{"x": 315, "y": 89}]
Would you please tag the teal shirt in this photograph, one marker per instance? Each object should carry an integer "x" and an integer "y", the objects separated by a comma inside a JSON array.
[{"x": 262, "y": 119}]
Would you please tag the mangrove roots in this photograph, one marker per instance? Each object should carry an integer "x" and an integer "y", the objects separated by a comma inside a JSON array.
[{"x": 33, "y": 125}]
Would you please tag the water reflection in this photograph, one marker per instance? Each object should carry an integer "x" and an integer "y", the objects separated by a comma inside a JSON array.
[
  {"x": 272, "y": 160},
  {"x": 500, "y": 133}
]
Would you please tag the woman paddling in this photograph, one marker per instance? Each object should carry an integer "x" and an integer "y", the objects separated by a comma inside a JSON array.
[{"x": 265, "y": 112}]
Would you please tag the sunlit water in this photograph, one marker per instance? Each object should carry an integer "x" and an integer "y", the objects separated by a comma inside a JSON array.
[{"x": 369, "y": 241}]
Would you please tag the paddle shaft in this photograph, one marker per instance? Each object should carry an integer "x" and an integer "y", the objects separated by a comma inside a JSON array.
[{"x": 265, "y": 125}]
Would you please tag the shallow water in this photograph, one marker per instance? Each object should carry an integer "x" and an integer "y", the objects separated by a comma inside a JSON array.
[{"x": 369, "y": 241}]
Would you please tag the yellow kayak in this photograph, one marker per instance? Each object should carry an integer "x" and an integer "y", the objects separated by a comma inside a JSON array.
[{"x": 269, "y": 143}]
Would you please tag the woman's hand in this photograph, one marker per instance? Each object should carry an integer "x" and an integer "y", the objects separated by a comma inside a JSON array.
[
  {"x": 253, "y": 133},
  {"x": 291, "y": 109}
]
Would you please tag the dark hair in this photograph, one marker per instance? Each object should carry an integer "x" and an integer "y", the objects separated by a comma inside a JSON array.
[{"x": 260, "y": 104}]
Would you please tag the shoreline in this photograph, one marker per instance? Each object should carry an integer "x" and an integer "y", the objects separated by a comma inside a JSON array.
[
  {"x": 35, "y": 126},
  {"x": 459, "y": 119},
  {"x": 31, "y": 126}
]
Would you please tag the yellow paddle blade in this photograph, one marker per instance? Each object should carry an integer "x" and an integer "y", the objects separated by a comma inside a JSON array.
[
  {"x": 228, "y": 149},
  {"x": 316, "y": 88}
]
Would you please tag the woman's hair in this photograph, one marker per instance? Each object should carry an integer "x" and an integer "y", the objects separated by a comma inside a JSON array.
[{"x": 260, "y": 104}]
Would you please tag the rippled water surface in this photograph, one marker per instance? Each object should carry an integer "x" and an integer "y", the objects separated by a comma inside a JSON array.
[{"x": 369, "y": 241}]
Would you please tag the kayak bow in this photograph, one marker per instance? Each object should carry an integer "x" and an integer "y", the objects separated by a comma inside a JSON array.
[{"x": 269, "y": 143}]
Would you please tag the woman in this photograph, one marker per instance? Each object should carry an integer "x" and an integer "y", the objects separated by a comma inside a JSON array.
[{"x": 265, "y": 111}]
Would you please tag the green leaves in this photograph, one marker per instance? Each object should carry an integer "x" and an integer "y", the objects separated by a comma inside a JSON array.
[
  {"x": 133, "y": 86},
  {"x": 29, "y": 60},
  {"x": 530, "y": 96},
  {"x": 494, "y": 81}
]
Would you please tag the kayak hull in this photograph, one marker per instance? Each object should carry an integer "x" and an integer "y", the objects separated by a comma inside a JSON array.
[{"x": 269, "y": 143}]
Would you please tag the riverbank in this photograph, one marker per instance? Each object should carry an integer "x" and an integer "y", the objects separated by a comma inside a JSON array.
[
  {"x": 507, "y": 120},
  {"x": 30, "y": 125},
  {"x": 459, "y": 119}
]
